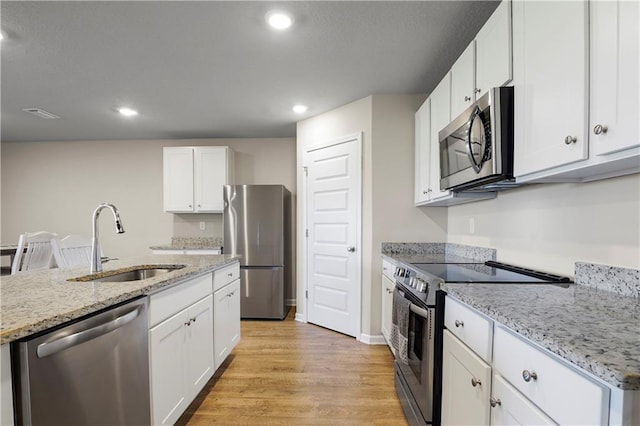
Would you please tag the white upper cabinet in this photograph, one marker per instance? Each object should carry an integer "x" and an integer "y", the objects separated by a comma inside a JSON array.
[
  {"x": 440, "y": 117},
  {"x": 550, "y": 76},
  {"x": 494, "y": 51},
  {"x": 463, "y": 79},
  {"x": 194, "y": 178},
  {"x": 422, "y": 139},
  {"x": 487, "y": 62},
  {"x": 614, "y": 76},
  {"x": 568, "y": 127}
]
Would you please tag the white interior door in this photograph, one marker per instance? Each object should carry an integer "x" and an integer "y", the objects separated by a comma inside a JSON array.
[{"x": 333, "y": 242}]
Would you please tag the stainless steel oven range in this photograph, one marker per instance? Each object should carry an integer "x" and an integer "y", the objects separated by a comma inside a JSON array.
[{"x": 418, "y": 378}]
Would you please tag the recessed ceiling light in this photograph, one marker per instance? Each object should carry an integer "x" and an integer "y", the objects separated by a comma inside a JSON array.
[
  {"x": 127, "y": 112},
  {"x": 300, "y": 109},
  {"x": 279, "y": 20}
]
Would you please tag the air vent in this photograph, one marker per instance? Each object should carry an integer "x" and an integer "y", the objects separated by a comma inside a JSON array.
[{"x": 40, "y": 113}]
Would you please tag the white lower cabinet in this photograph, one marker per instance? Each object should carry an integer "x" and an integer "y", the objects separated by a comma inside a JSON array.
[
  {"x": 388, "y": 285},
  {"x": 181, "y": 359},
  {"x": 565, "y": 394},
  {"x": 466, "y": 384},
  {"x": 226, "y": 324},
  {"x": 510, "y": 407}
]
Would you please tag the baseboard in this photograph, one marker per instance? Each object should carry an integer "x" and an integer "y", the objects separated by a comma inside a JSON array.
[
  {"x": 300, "y": 317},
  {"x": 376, "y": 339}
]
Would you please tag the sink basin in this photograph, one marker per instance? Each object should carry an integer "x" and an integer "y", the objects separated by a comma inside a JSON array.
[{"x": 134, "y": 273}]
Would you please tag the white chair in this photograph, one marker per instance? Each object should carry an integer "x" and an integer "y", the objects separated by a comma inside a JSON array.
[
  {"x": 72, "y": 251},
  {"x": 34, "y": 252}
]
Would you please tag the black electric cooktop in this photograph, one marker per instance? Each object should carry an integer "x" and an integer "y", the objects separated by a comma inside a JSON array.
[
  {"x": 488, "y": 272},
  {"x": 421, "y": 280}
]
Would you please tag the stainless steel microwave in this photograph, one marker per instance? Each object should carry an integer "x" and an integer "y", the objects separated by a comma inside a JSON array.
[{"x": 476, "y": 149}]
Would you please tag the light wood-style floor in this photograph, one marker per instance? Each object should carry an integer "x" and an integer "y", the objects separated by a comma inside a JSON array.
[{"x": 286, "y": 372}]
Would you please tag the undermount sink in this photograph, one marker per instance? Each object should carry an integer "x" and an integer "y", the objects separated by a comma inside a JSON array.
[{"x": 135, "y": 273}]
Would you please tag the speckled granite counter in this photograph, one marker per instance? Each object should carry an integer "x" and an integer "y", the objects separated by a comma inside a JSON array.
[
  {"x": 408, "y": 253},
  {"x": 598, "y": 331},
  {"x": 191, "y": 243},
  {"x": 34, "y": 301}
]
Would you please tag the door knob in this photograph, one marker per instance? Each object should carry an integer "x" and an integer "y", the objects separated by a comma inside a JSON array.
[{"x": 351, "y": 249}]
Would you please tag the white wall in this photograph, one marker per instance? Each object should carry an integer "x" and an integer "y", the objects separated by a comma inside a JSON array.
[
  {"x": 56, "y": 186},
  {"x": 387, "y": 126},
  {"x": 551, "y": 226}
]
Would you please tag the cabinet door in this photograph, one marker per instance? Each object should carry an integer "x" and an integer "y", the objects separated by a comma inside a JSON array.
[
  {"x": 440, "y": 118},
  {"x": 167, "y": 357},
  {"x": 178, "y": 179},
  {"x": 494, "y": 51},
  {"x": 510, "y": 407},
  {"x": 227, "y": 321},
  {"x": 199, "y": 331},
  {"x": 423, "y": 153},
  {"x": 210, "y": 175},
  {"x": 614, "y": 75},
  {"x": 466, "y": 385},
  {"x": 387, "y": 303},
  {"x": 550, "y": 82},
  {"x": 463, "y": 78}
]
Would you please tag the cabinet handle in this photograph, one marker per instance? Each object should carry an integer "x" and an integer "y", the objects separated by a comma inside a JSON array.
[
  {"x": 527, "y": 375},
  {"x": 599, "y": 129},
  {"x": 459, "y": 323},
  {"x": 188, "y": 323},
  {"x": 190, "y": 206},
  {"x": 475, "y": 382},
  {"x": 199, "y": 205},
  {"x": 570, "y": 139},
  {"x": 477, "y": 90},
  {"x": 230, "y": 274},
  {"x": 467, "y": 98},
  {"x": 494, "y": 402}
]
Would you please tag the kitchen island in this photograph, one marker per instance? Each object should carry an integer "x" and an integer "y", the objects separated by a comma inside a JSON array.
[
  {"x": 202, "y": 288},
  {"x": 35, "y": 301}
]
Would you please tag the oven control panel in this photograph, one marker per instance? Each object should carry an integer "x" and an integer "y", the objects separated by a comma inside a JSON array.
[{"x": 409, "y": 278}]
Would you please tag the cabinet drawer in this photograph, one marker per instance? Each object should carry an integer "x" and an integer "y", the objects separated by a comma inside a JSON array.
[
  {"x": 387, "y": 269},
  {"x": 224, "y": 276},
  {"x": 470, "y": 326},
  {"x": 168, "y": 302},
  {"x": 562, "y": 392}
]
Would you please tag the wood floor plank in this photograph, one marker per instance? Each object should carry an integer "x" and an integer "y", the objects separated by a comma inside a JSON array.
[{"x": 290, "y": 373}]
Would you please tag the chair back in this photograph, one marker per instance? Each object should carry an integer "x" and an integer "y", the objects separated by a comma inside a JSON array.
[
  {"x": 34, "y": 252},
  {"x": 72, "y": 251}
]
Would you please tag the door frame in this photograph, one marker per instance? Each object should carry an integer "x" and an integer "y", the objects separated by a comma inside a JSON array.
[{"x": 357, "y": 138}]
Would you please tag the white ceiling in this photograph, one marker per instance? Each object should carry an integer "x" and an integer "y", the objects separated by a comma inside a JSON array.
[{"x": 211, "y": 69}]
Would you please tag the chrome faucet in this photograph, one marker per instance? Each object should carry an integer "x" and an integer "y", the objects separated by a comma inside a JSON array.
[{"x": 96, "y": 262}]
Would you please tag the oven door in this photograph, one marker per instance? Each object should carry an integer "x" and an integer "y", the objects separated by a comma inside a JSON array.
[{"x": 418, "y": 372}]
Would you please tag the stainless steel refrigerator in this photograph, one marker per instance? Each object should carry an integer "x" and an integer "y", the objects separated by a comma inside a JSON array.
[{"x": 257, "y": 227}]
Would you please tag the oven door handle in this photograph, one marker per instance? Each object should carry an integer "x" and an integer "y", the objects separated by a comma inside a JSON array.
[{"x": 419, "y": 311}]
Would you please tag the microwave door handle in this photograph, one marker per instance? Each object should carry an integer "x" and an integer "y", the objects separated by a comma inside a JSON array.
[{"x": 472, "y": 160}]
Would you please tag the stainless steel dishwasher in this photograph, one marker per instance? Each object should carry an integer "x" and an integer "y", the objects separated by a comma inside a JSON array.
[{"x": 91, "y": 372}]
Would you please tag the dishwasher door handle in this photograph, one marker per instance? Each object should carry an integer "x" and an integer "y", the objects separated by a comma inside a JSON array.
[{"x": 55, "y": 346}]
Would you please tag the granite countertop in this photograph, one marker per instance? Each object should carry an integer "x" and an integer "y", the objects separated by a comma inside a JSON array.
[
  {"x": 408, "y": 253},
  {"x": 31, "y": 302},
  {"x": 191, "y": 243},
  {"x": 596, "y": 330}
]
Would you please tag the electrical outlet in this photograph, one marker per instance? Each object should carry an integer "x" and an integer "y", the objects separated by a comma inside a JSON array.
[
  {"x": 472, "y": 225},
  {"x": 202, "y": 226}
]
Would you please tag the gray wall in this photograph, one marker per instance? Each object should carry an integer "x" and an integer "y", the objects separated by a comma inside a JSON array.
[{"x": 55, "y": 186}]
